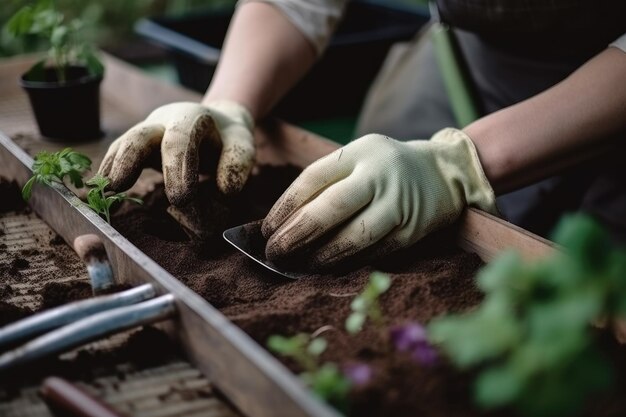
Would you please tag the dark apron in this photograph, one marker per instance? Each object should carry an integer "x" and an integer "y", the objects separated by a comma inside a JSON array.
[{"x": 514, "y": 49}]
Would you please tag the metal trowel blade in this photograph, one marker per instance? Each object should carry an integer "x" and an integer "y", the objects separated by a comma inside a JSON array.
[{"x": 249, "y": 240}]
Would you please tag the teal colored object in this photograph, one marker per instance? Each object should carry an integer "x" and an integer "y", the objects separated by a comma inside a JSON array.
[{"x": 340, "y": 129}]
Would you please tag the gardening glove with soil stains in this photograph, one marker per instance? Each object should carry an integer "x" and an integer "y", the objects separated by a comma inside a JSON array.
[
  {"x": 376, "y": 195},
  {"x": 189, "y": 137}
]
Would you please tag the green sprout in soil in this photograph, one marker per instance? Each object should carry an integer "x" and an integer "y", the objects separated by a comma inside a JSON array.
[
  {"x": 101, "y": 200},
  {"x": 67, "y": 42},
  {"x": 366, "y": 304},
  {"x": 51, "y": 167},
  {"x": 531, "y": 338},
  {"x": 325, "y": 379}
]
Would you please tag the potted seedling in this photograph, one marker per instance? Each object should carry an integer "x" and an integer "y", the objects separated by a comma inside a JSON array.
[{"x": 64, "y": 86}]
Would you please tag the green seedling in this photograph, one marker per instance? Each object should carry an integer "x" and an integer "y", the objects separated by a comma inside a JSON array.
[
  {"x": 531, "y": 338},
  {"x": 366, "y": 304},
  {"x": 51, "y": 167},
  {"x": 326, "y": 380},
  {"x": 101, "y": 200},
  {"x": 66, "y": 40}
]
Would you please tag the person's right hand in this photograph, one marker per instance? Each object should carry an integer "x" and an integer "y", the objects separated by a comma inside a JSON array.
[{"x": 182, "y": 131}]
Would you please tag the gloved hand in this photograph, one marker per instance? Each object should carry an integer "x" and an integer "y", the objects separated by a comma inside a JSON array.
[
  {"x": 185, "y": 133},
  {"x": 376, "y": 195}
]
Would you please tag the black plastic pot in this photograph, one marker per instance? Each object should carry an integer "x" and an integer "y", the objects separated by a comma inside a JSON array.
[
  {"x": 68, "y": 111},
  {"x": 338, "y": 83}
]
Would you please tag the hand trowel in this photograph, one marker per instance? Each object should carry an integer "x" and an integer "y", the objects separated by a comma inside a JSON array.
[{"x": 248, "y": 239}]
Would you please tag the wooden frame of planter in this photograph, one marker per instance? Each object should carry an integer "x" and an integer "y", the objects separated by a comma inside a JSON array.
[{"x": 248, "y": 375}]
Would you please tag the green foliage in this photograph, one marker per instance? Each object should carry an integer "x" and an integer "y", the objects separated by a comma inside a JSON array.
[
  {"x": 108, "y": 24},
  {"x": 67, "y": 46},
  {"x": 50, "y": 167},
  {"x": 531, "y": 336},
  {"x": 330, "y": 384},
  {"x": 325, "y": 380},
  {"x": 100, "y": 200},
  {"x": 366, "y": 304}
]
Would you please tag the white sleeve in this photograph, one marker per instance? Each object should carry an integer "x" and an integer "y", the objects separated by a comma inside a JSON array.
[
  {"x": 316, "y": 19},
  {"x": 620, "y": 43}
]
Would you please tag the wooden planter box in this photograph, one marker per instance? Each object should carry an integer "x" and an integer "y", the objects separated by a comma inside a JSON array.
[{"x": 247, "y": 374}]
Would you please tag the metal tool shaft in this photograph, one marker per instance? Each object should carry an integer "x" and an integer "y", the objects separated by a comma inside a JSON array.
[
  {"x": 60, "y": 316},
  {"x": 90, "y": 328}
]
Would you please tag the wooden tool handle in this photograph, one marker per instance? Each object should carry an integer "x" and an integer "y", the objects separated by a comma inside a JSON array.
[{"x": 66, "y": 398}]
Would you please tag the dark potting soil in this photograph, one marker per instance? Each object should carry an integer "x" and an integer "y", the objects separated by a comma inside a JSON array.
[
  {"x": 10, "y": 313},
  {"x": 10, "y": 196},
  {"x": 429, "y": 279},
  {"x": 54, "y": 294}
]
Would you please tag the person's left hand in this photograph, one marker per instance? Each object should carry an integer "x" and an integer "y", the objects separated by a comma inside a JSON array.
[{"x": 376, "y": 195}]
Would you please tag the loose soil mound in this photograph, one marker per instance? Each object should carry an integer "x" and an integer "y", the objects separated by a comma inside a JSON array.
[{"x": 429, "y": 279}]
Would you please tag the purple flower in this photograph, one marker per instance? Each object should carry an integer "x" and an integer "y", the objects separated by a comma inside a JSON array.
[
  {"x": 412, "y": 338},
  {"x": 358, "y": 373}
]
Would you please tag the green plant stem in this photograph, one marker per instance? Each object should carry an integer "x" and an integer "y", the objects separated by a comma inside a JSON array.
[
  {"x": 107, "y": 215},
  {"x": 376, "y": 315}
]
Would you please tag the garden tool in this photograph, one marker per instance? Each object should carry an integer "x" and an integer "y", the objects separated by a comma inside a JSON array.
[
  {"x": 248, "y": 239},
  {"x": 91, "y": 250},
  {"x": 54, "y": 318},
  {"x": 90, "y": 328},
  {"x": 69, "y": 400}
]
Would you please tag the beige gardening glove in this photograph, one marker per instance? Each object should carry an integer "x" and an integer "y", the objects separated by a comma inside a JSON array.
[
  {"x": 189, "y": 136},
  {"x": 376, "y": 195}
]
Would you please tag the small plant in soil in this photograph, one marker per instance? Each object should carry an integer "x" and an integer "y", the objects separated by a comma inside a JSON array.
[
  {"x": 531, "y": 339},
  {"x": 366, "y": 305},
  {"x": 51, "y": 167},
  {"x": 325, "y": 379},
  {"x": 67, "y": 44},
  {"x": 101, "y": 200},
  {"x": 55, "y": 167}
]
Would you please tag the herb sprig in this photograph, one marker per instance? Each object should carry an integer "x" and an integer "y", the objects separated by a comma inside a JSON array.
[
  {"x": 101, "y": 200},
  {"x": 325, "y": 379},
  {"x": 51, "y": 167},
  {"x": 366, "y": 304}
]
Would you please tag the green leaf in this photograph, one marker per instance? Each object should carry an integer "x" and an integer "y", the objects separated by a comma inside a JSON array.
[
  {"x": 21, "y": 22},
  {"x": 329, "y": 384},
  {"x": 59, "y": 35},
  {"x": 317, "y": 346},
  {"x": 94, "y": 65},
  {"x": 359, "y": 304},
  {"x": 379, "y": 282},
  {"x": 135, "y": 200},
  {"x": 27, "y": 189},
  {"x": 287, "y": 345},
  {"x": 497, "y": 386},
  {"x": 76, "y": 179},
  {"x": 79, "y": 160},
  {"x": 354, "y": 322},
  {"x": 45, "y": 21}
]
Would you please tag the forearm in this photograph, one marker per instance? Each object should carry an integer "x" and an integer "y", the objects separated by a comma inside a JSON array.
[
  {"x": 264, "y": 55},
  {"x": 558, "y": 128}
]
